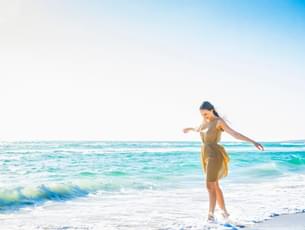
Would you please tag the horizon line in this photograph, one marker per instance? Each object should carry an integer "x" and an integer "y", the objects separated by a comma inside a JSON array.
[{"x": 134, "y": 140}]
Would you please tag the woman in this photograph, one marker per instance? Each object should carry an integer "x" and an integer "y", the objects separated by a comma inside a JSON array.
[{"x": 214, "y": 157}]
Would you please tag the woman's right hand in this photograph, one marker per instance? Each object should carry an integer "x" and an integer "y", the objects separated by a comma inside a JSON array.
[{"x": 186, "y": 130}]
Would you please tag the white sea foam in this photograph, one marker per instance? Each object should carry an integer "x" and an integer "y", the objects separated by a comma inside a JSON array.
[{"x": 168, "y": 209}]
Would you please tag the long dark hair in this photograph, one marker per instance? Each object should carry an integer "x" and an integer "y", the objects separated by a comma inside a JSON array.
[{"x": 208, "y": 106}]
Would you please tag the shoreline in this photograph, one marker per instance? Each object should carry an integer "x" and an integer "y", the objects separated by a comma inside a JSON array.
[{"x": 293, "y": 221}]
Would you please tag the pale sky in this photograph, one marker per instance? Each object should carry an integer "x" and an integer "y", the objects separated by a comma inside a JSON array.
[{"x": 139, "y": 70}]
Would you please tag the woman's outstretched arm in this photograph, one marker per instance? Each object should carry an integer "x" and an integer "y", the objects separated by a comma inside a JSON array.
[
  {"x": 222, "y": 124},
  {"x": 202, "y": 126}
]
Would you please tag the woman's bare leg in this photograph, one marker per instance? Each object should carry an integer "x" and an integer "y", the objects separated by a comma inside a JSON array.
[
  {"x": 220, "y": 198},
  {"x": 211, "y": 187}
]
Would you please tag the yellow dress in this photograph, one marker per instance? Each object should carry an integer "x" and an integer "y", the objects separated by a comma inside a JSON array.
[{"x": 214, "y": 158}]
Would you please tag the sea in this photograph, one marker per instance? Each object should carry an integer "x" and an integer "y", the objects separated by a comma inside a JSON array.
[{"x": 144, "y": 185}]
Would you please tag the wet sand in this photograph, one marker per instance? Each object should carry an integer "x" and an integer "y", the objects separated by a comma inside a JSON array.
[{"x": 290, "y": 221}]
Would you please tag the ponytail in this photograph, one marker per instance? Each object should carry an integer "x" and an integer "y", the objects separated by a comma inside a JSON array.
[{"x": 215, "y": 113}]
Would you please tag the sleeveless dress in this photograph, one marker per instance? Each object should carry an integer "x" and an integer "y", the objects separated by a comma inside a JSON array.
[{"x": 214, "y": 158}]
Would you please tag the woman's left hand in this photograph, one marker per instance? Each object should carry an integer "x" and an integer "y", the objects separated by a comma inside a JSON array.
[{"x": 259, "y": 146}]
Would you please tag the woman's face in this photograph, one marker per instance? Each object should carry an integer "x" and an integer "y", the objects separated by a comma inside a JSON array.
[{"x": 206, "y": 114}]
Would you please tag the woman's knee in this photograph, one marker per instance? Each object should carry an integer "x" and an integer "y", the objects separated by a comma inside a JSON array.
[
  {"x": 217, "y": 186},
  {"x": 211, "y": 186}
]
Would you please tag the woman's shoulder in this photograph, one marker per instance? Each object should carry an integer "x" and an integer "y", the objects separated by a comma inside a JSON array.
[
  {"x": 219, "y": 123},
  {"x": 220, "y": 120}
]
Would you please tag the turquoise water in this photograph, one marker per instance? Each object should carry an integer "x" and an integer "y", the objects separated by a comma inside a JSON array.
[{"x": 33, "y": 173}]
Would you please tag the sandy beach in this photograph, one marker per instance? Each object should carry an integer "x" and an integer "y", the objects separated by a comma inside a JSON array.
[{"x": 289, "y": 221}]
